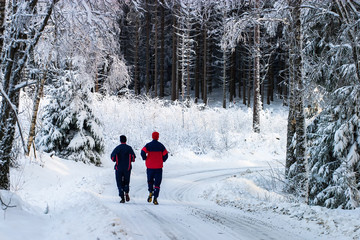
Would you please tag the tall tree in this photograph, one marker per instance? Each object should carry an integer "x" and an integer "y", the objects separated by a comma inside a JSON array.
[
  {"x": 333, "y": 139},
  {"x": 297, "y": 171},
  {"x": 147, "y": 45},
  {"x": 174, "y": 53},
  {"x": 156, "y": 51},
  {"x": 257, "y": 101},
  {"x": 162, "y": 49},
  {"x": 186, "y": 47},
  {"x": 17, "y": 47}
]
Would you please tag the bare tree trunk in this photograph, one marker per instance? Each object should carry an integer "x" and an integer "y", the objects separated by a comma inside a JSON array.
[
  {"x": 38, "y": 95},
  {"x": 178, "y": 72},
  {"x": 2, "y": 21},
  {"x": 224, "y": 79},
  {"x": 297, "y": 176},
  {"x": 197, "y": 68},
  {"x": 270, "y": 90},
  {"x": 245, "y": 79},
  {"x": 232, "y": 85},
  {"x": 205, "y": 66},
  {"x": 162, "y": 54},
  {"x": 156, "y": 52},
  {"x": 174, "y": 62},
  {"x": 239, "y": 59},
  {"x": 250, "y": 75},
  {"x": 147, "y": 47},
  {"x": 136, "y": 58},
  {"x": 257, "y": 102}
]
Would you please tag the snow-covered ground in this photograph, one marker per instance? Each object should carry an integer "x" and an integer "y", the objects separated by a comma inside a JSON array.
[{"x": 221, "y": 181}]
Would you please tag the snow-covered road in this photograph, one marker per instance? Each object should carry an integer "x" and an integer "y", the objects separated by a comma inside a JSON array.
[
  {"x": 183, "y": 214},
  {"x": 65, "y": 200}
]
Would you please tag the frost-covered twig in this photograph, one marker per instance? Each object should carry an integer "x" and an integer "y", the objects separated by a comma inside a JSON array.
[
  {"x": 4, "y": 205},
  {"x": 13, "y": 108}
]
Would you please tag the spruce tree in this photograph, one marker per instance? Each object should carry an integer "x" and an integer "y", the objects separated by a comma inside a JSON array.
[
  {"x": 333, "y": 150},
  {"x": 70, "y": 128}
]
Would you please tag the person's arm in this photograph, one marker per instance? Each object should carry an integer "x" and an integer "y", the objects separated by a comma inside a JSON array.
[
  {"x": 113, "y": 155},
  {"x": 133, "y": 156},
  {"x": 144, "y": 151},
  {"x": 165, "y": 155}
]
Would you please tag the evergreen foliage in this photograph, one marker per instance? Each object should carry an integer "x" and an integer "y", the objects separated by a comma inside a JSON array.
[
  {"x": 333, "y": 149},
  {"x": 70, "y": 128}
]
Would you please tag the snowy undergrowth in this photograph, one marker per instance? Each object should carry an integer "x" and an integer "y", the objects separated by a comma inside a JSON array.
[{"x": 224, "y": 133}]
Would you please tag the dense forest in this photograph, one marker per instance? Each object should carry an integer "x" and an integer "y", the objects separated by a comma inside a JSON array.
[{"x": 305, "y": 53}]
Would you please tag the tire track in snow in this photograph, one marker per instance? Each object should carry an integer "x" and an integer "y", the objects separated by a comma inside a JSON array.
[
  {"x": 235, "y": 224},
  {"x": 183, "y": 214}
]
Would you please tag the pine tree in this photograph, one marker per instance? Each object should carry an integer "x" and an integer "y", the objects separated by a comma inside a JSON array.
[
  {"x": 334, "y": 155},
  {"x": 70, "y": 129}
]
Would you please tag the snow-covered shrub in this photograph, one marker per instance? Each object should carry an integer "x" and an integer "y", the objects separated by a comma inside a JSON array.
[
  {"x": 70, "y": 129},
  {"x": 333, "y": 141}
]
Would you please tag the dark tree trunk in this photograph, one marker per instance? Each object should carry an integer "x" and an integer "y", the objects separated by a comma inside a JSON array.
[
  {"x": 162, "y": 54},
  {"x": 239, "y": 71},
  {"x": 156, "y": 52},
  {"x": 205, "y": 82},
  {"x": 197, "y": 68},
  {"x": 147, "y": 46},
  {"x": 2, "y": 21},
  {"x": 224, "y": 78},
  {"x": 232, "y": 88},
  {"x": 174, "y": 62},
  {"x": 136, "y": 57},
  {"x": 270, "y": 89}
]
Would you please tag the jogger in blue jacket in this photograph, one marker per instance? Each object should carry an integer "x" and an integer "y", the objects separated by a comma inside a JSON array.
[{"x": 123, "y": 155}]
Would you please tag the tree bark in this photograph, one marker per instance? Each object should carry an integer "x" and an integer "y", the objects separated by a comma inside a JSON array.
[
  {"x": 38, "y": 95},
  {"x": 174, "y": 62},
  {"x": 232, "y": 85},
  {"x": 162, "y": 54},
  {"x": 197, "y": 68},
  {"x": 224, "y": 79},
  {"x": 257, "y": 102},
  {"x": 147, "y": 47},
  {"x": 156, "y": 52},
  {"x": 296, "y": 175},
  {"x": 136, "y": 57},
  {"x": 2, "y": 21},
  {"x": 204, "y": 93}
]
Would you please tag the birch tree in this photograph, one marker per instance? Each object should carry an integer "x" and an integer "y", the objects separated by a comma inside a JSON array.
[
  {"x": 20, "y": 38},
  {"x": 296, "y": 165}
]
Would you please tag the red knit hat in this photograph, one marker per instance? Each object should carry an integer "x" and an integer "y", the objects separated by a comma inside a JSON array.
[{"x": 155, "y": 135}]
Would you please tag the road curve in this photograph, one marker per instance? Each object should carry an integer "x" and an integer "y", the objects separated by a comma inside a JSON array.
[{"x": 183, "y": 214}]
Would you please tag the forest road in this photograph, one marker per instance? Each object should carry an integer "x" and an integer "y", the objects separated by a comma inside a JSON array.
[{"x": 183, "y": 214}]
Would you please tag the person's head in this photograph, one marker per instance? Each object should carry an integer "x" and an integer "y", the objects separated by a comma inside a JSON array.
[
  {"x": 155, "y": 135},
  {"x": 123, "y": 139}
]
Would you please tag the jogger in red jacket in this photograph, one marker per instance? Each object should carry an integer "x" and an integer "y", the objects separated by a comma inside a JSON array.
[{"x": 155, "y": 154}]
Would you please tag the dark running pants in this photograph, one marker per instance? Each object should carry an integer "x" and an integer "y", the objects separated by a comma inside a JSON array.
[
  {"x": 122, "y": 181},
  {"x": 154, "y": 177}
]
